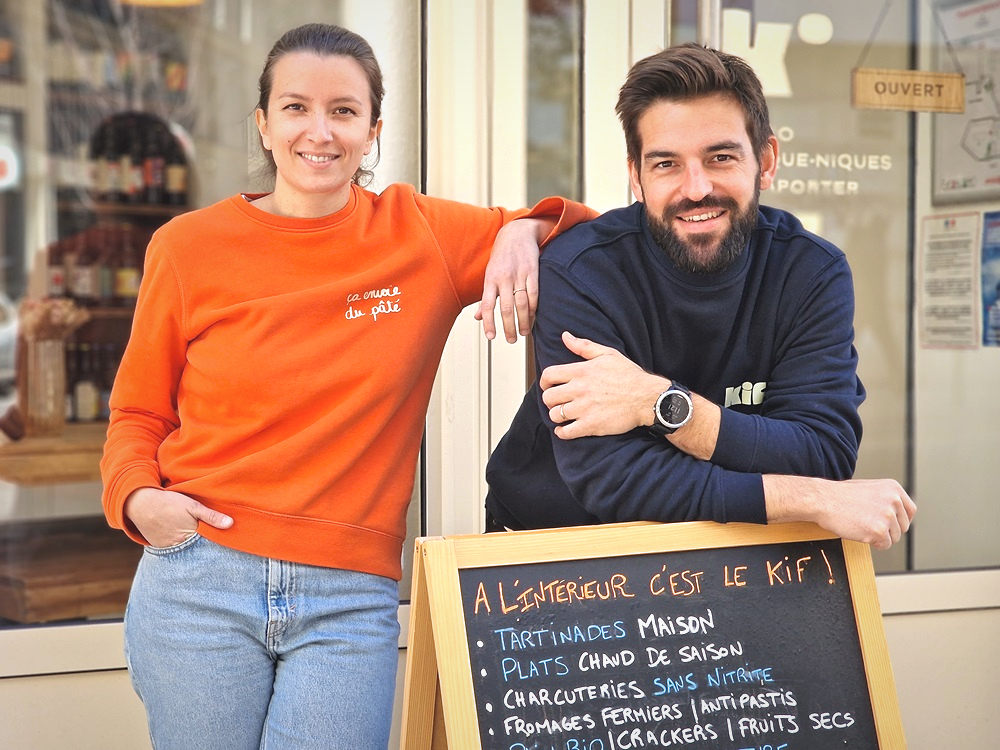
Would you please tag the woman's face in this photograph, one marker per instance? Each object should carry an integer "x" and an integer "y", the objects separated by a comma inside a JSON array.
[{"x": 318, "y": 129}]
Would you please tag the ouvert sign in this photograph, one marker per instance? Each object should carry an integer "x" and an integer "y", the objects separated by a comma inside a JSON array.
[{"x": 909, "y": 90}]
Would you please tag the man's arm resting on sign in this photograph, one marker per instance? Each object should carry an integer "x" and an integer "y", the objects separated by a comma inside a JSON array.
[{"x": 874, "y": 511}]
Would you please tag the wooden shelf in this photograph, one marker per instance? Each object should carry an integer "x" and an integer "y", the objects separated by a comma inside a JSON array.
[
  {"x": 111, "y": 313},
  {"x": 125, "y": 210},
  {"x": 74, "y": 456},
  {"x": 64, "y": 569},
  {"x": 137, "y": 210}
]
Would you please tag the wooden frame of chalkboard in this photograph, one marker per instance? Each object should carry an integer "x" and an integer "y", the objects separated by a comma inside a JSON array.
[{"x": 642, "y": 635}]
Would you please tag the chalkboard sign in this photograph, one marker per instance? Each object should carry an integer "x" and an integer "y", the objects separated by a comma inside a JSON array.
[{"x": 648, "y": 636}]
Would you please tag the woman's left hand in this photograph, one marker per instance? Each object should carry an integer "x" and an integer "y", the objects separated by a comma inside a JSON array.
[{"x": 512, "y": 279}]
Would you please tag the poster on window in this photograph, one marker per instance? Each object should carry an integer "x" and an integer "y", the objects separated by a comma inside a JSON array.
[
  {"x": 947, "y": 264},
  {"x": 991, "y": 278},
  {"x": 966, "y": 160}
]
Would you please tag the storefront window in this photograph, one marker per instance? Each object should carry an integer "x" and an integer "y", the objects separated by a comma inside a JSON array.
[
  {"x": 115, "y": 116},
  {"x": 134, "y": 113}
]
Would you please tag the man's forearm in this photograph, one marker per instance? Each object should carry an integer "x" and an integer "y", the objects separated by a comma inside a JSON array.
[
  {"x": 698, "y": 437},
  {"x": 873, "y": 511}
]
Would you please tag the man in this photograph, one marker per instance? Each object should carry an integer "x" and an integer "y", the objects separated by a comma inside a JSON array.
[{"x": 697, "y": 348}]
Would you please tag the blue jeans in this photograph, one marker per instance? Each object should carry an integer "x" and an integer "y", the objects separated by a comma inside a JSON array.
[{"x": 230, "y": 651}]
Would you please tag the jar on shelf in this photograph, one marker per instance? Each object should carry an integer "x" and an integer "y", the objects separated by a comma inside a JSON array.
[
  {"x": 44, "y": 326},
  {"x": 44, "y": 406}
]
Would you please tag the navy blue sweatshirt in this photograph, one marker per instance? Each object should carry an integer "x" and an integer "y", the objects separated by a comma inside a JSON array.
[{"x": 771, "y": 339}]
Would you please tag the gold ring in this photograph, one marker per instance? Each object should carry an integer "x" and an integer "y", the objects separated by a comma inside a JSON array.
[
  {"x": 562, "y": 414},
  {"x": 520, "y": 290}
]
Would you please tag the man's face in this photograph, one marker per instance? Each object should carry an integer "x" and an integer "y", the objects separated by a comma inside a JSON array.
[{"x": 700, "y": 179}]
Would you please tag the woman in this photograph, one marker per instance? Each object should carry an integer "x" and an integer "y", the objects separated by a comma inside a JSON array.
[{"x": 268, "y": 413}]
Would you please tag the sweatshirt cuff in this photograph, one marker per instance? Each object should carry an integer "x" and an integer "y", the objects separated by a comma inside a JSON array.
[
  {"x": 736, "y": 432},
  {"x": 744, "y": 498},
  {"x": 114, "y": 502},
  {"x": 569, "y": 213}
]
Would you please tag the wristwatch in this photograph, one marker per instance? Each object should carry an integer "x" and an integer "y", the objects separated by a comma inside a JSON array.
[{"x": 672, "y": 410}]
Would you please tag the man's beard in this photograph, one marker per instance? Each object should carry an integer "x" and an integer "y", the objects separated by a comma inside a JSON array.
[{"x": 691, "y": 255}]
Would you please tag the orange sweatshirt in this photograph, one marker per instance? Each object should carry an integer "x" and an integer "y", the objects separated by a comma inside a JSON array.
[{"x": 279, "y": 369}]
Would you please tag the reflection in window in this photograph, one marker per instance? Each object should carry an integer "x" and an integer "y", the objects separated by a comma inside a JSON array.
[{"x": 554, "y": 64}]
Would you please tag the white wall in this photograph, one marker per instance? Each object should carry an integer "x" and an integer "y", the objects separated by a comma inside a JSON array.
[{"x": 942, "y": 630}]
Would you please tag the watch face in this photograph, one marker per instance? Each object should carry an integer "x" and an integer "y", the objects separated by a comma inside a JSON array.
[
  {"x": 672, "y": 410},
  {"x": 677, "y": 409}
]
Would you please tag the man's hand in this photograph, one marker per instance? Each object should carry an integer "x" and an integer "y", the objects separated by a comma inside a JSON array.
[
  {"x": 167, "y": 518},
  {"x": 606, "y": 394},
  {"x": 512, "y": 278},
  {"x": 874, "y": 511}
]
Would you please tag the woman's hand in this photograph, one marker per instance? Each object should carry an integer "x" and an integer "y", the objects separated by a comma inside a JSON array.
[
  {"x": 512, "y": 278},
  {"x": 166, "y": 518}
]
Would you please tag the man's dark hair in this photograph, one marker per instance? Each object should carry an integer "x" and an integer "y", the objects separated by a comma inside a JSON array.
[{"x": 689, "y": 71}]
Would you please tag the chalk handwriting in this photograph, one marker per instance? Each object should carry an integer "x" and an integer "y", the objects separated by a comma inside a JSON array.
[
  {"x": 680, "y": 583},
  {"x": 518, "y": 599},
  {"x": 512, "y": 639},
  {"x": 659, "y": 668},
  {"x": 658, "y": 626}
]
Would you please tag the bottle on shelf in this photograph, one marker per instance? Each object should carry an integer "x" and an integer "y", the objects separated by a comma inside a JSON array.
[
  {"x": 107, "y": 264},
  {"x": 129, "y": 270},
  {"x": 153, "y": 166},
  {"x": 86, "y": 394},
  {"x": 111, "y": 155},
  {"x": 84, "y": 278},
  {"x": 109, "y": 368},
  {"x": 56, "y": 286},
  {"x": 177, "y": 174},
  {"x": 72, "y": 246},
  {"x": 91, "y": 168},
  {"x": 68, "y": 156},
  {"x": 124, "y": 65},
  {"x": 175, "y": 75},
  {"x": 99, "y": 168},
  {"x": 11, "y": 157},
  {"x": 72, "y": 375},
  {"x": 61, "y": 162},
  {"x": 132, "y": 163},
  {"x": 80, "y": 171},
  {"x": 105, "y": 164},
  {"x": 10, "y": 49}
]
